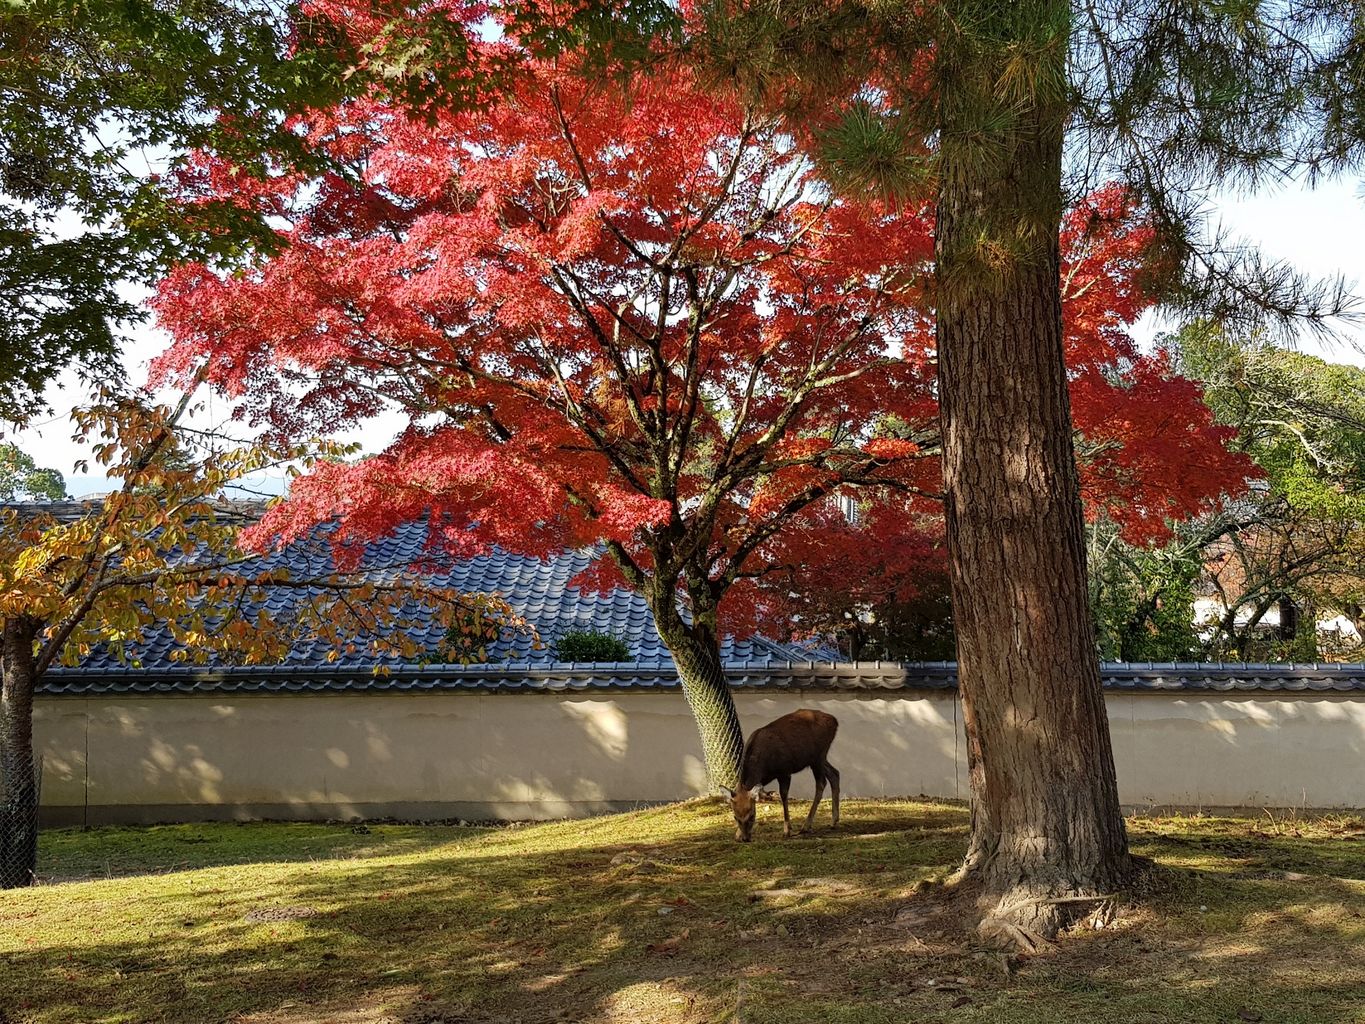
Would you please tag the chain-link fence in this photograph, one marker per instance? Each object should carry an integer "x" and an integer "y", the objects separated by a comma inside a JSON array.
[{"x": 19, "y": 828}]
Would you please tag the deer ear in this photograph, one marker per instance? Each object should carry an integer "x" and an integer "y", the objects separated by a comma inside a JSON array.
[{"x": 728, "y": 792}]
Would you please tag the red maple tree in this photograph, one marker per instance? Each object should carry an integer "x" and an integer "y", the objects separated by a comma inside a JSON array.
[{"x": 632, "y": 315}]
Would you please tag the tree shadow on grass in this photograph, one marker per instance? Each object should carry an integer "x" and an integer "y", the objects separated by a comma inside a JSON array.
[
  {"x": 74, "y": 854},
  {"x": 486, "y": 929},
  {"x": 1200, "y": 948},
  {"x": 572, "y": 922},
  {"x": 1243, "y": 846}
]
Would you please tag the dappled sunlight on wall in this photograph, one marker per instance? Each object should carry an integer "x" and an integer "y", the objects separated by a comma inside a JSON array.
[
  {"x": 447, "y": 755},
  {"x": 603, "y": 722},
  {"x": 694, "y": 777},
  {"x": 1298, "y": 750},
  {"x": 185, "y": 768}
]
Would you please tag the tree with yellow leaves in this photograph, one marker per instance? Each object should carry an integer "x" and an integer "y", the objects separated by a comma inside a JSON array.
[{"x": 161, "y": 553}]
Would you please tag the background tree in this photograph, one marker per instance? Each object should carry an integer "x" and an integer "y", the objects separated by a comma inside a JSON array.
[
  {"x": 161, "y": 553},
  {"x": 1143, "y": 595},
  {"x": 100, "y": 103},
  {"x": 1000, "y": 111},
  {"x": 93, "y": 99},
  {"x": 876, "y": 586},
  {"x": 632, "y": 315},
  {"x": 1294, "y": 545},
  {"x": 22, "y": 479}
]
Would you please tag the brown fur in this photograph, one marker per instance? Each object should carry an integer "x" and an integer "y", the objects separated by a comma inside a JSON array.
[{"x": 778, "y": 751}]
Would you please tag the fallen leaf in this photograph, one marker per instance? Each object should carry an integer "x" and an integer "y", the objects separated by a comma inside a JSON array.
[{"x": 961, "y": 1001}]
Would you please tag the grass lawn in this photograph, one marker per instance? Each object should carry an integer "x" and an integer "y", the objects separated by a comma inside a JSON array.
[{"x": 658, "y": 916}]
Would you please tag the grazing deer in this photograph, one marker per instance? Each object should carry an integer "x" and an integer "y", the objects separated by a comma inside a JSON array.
[{"x": 778, "y": 751}]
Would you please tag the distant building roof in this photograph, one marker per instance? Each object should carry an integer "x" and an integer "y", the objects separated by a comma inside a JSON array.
[{"x": 538, "y": 591}]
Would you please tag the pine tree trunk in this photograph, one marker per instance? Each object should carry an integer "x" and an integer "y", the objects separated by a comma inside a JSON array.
[
  {"x": 1046, "y": 822},
  {"x": 18, "y": 777}
]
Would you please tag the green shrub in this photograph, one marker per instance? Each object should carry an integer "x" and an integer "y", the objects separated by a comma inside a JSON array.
[{"x": 590, "y": 645}]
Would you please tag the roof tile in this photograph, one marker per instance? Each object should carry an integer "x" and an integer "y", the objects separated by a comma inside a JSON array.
[
  {"x": 540, "y": 591},
  {"x": 659, "y": 674}
]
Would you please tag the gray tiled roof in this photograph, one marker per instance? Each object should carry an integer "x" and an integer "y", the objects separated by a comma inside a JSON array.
[
  {"x": 659, "y": 674},
  {"x": 538, "y": 591},
  {"x": 1233, "y": 678}
]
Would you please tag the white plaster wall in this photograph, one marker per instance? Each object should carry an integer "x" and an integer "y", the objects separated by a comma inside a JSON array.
[
  {"x": 552, "y": 755},
  {"x": 1292, "y": 750}
]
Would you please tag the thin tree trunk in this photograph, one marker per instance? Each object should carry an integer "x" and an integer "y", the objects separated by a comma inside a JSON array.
[
  {"x": 18, "y": 777},
  {"x": 1289, "y": 619},
  {"x": 1243, "y": 638},
  {"x": 708, "y": 695},
  {"x": 1046, "y": 822},
  {"x": 696, "y": 653}
]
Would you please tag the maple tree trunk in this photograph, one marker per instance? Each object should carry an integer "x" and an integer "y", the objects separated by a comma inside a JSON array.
[
  {"x": 696, "y": 653},
  {"x": 1046, "y": 821},
  {"x": 18, "y": 777}
]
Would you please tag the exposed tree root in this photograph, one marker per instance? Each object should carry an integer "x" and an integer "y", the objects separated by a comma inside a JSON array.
[
  {"x": 1025, "y": 919},
  {"x": 1028, "y": 922}
]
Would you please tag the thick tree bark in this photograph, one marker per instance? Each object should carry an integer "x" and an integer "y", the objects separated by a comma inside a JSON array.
[
  {"x": 18, "y": 777},
  {"x": 1046, "y": 822},
  {"x": 696, "y": 653}
]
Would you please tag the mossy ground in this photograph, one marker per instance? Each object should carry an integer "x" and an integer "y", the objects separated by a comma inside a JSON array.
[{"x": 659, "y": 916}]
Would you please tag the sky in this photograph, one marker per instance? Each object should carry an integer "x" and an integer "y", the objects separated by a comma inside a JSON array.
[{"x": 1320, "y": 231}]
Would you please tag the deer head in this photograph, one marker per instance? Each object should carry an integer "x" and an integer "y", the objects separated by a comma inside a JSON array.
[{"x": 745, "y": 809}]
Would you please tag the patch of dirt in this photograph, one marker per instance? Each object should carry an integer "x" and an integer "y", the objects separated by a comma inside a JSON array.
[
  {"x": 829, "y": 886},
  {"x": 939, "y": 916},
  {"x": 919, "y": 954}
]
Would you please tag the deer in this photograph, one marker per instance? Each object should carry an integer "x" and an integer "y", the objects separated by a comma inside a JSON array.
[{"x": 779, "y": 750}]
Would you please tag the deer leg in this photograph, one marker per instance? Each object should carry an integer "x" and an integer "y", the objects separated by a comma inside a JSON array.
[
  {"x": 833, "y": 775},
  {"x": 784, "y": 785},
  {"x": 819, "y": 773}
]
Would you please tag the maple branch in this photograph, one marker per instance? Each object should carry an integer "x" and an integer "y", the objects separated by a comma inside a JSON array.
[
  {"x": 682, "y": 433},
  {"x": 574, "y": 411},
  {"x": 769, "y": 529},
  {"x": 722, "y": 190},
  {"x": 562, "y": 275},
  {"x": 635, "y": 576},
  {"x": 746, "y": 463},
  {"x": 567, "y": 132},
  {"x": 630, "y": 569}
]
